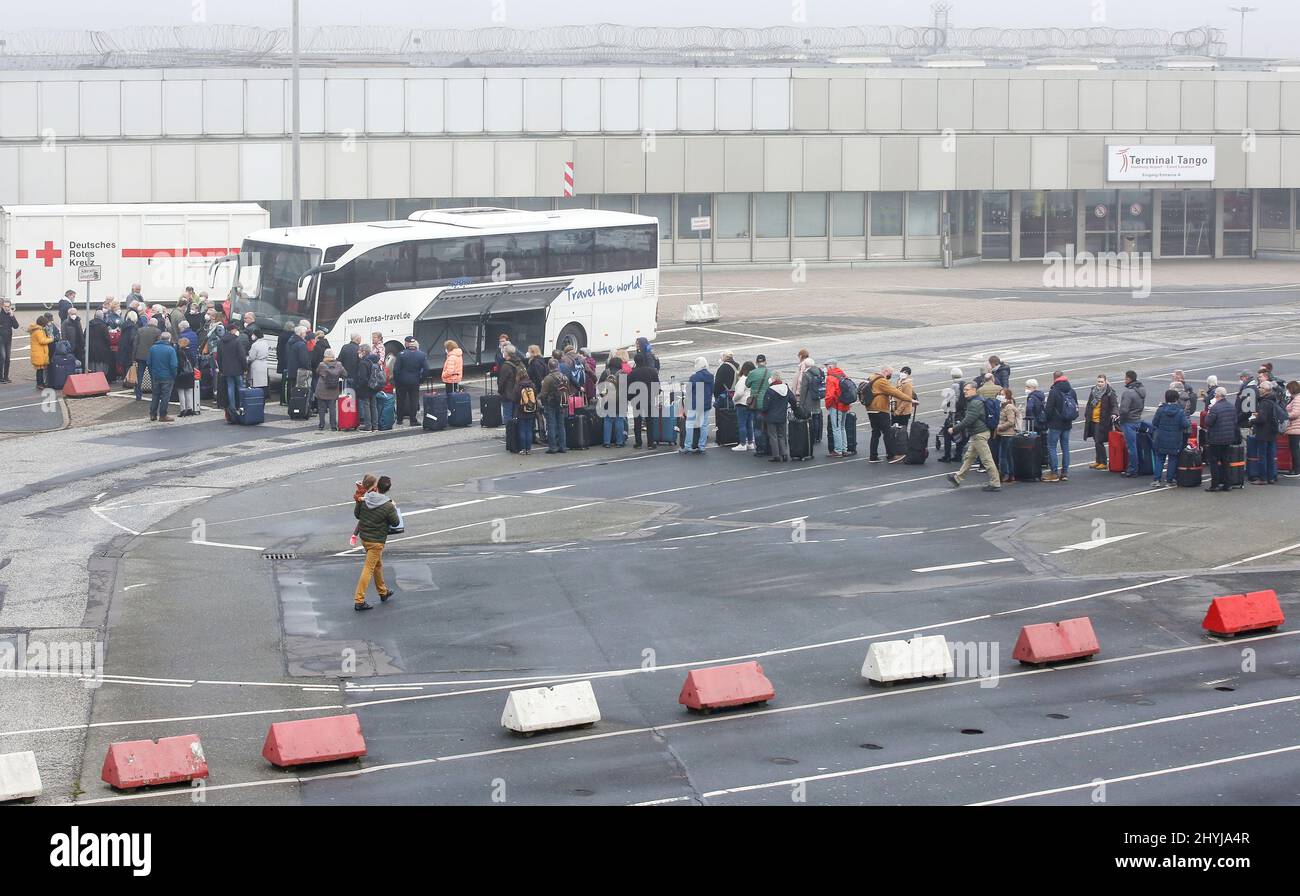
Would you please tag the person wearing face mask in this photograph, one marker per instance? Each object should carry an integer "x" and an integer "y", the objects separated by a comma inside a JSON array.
[{"x": 1098, "y": 419}]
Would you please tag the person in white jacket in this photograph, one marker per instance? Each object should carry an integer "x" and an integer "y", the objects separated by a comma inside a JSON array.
[{"x": 259, "y": 362}]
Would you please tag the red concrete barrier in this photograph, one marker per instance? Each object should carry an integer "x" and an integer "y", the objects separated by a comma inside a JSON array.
[
  {"x": 1052, "y": 642},
  {"x": 306, "y": 741},
  {"x": 1243, "y": 613},
  {"x": 85, "y": 385},
  {"x": 144, "y": 763},
  {"x": 720, "y": 686}
]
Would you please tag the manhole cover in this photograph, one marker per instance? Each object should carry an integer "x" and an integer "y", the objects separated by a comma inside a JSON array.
[{"x": 279, "y": 555}]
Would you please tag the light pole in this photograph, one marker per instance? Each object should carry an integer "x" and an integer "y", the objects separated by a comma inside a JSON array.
[
  {"x": 1241, "y": 47},
  {"x": 295, "y": 206}
]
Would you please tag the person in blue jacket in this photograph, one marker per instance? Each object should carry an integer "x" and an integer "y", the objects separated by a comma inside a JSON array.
[
  {"x": 162, "y": 374},
  {"x": 1169, "y": 430},
  {"x": 699, "y": 397},
  {"x": 408, "y": 369}
]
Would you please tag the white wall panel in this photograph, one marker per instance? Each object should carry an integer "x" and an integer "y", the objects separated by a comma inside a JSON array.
[
  {"x": 9, "y": 190},
  {"x": 464, "y": 105},
  {"x": 385, "y": 106},
  {"x": 101, "y": 108},
  {"x": 937, "y": 166},
  {"x": 920, "y": 104},
  {"x": 581, "y": 105},
  {"x": 1130, "y": 112},
  {"x": 345, "y": 105},
  {"x": 624, "y": 166},
  {"x": 87, "y": 173},
  {"x": 1061, "y": 104},
  {"x": 472, "y": 167},
  {"x": 884, "y": 104},
  {"x": 313, "y": 169},
  {"x": 311, "y": 105},
  {"x": 389, "y": 163},
  {"x": 345, "y": 169},
  {"x": 861, "y": 163},
  {"x": 18, "y": 109},
  {"x": 424, "y": 103},
  {"x": 659, "y": 104},
  {"x": 665, "y": 168},
  {"x": 173, "y": 172},
  {"x": 60, "y": 102},
  {"x": 822, "y": 163},
  {"x": 223, "y": 106},
  {"x": 811, "y": 106},
  {"x": 1049, "y": 161},
  {"x": 1264, "y": 165},
  {"x": 621, "y": 105},
  {"x": 41, "y": 179},
  {"x": 551, "y": 156},
  {"x": 261, "y": 168},
  {"x": 1096, "y": 102},
  {"x": 431, "y": 168},
  {"x": 990, "y": 98},
  {"x": 1163, "y": 105},
  {"x": 1229, "y": 106},
  {"x": 218, "y": 172},
  {"x": 543, "y": 101},
  {"x": 128, "y": 173},
  {"x": 782, "y": 164},
  {"x": 588, "y": 167},
  {"x": 1025, "y": 97},
  {"x": 142, "y": 105},
  {"x": 705, "y": 158},
  {"x": 743, "y": 164},
  {"x": 504, "y": 106},
  {"x": 735, "y": 104},
  {"x": 695, "y": 104},
  {"x": 265, "y": 112},
  {"x": 771, "y": 104},
  {"x": 516, "y": 168}
]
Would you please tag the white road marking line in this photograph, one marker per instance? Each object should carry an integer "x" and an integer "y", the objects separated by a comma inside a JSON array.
[
  {"x": 709, "y": 534},
  {"x": 690, "y": 723},
  {"x": 407, "y": 513},
  {"x": 217, "y": 715},
  {"x": 133, "y": 587},
  {"x": 19, "y": 407},
  {"x": 900, "y": 534},
  {"x": 1137, "y": 777},
  {"x": 153, "y": 503},
  {"x": 519, "y": 516},
  {"x": 99, "y": 513},
  {"x": 1290, "y": 547},
  {"x": 965, "y": 565},
  {"x": 218, "y": 544},
  {"x": 452, "y": 460},
  {"x": 207, "y": 789},
  {"x": 1017, "y": 745},
  {"x": 553, "y": 488},
  {"x": 1138, "y": 494},
  {"x": 249, "y": 519},
  {"x": 1095, "y": 543}
]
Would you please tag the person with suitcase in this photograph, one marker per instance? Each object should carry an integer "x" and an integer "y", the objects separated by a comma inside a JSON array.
[
  {"x": 1062, "y": 409},
  {"x": 453, "y": 368},
  {"x": 779, "y": 403},
  {"x": 1221, "y": 435},
  {"x": 163, "y": 365},
  {"x": 696, "y": 401},
  {"x": 370, "y": 382},
  {"x": 329, "y": 385},
  {"x": 975, "y": 426},
  {"x": 39, "y": 348},
  {"x": 555, "y": 402},
  {"x": 231, "y": 364},
  {"x": 1098, "y": 417},
  {"x": 1169, "y": 431},
  {"x": 1008, "y": 427},
  {"x": 1132, "y": 403},
  {"x": 408, "y": 371},
  {"x": 953, "y": 406},
  {"x": 877, "y": 392},
  {"x": 1268, "y": 420},
  {"x": 837, "y": 408}
]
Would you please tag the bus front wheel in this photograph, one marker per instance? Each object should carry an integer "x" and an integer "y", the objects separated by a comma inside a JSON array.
[{"x": 571, "y": 334}]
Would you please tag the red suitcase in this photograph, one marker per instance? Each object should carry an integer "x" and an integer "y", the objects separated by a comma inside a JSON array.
[
  {"x": 1117, "y": 451},
  {"x": 349, "y": 419},
  {"x": 1284, "y": 459}
]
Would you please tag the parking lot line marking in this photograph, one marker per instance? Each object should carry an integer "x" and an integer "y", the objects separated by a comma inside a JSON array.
[
  {"x": 1087, "y": 785},
  {"x": 553, "y": 488},
  {"x": 1095, "y": 543},
  {"x": 1290, "y": 547},
  {"x": 995, "y": 748},
  {"x": 219, "y": 544},
  {"x": 451, "y": 460},
  {"x": 965, "y": 565}
]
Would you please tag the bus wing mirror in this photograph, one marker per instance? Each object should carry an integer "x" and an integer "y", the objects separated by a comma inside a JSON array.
[
  {"x": 217, "y": 262},
  {"x": 313, "y": 271}
]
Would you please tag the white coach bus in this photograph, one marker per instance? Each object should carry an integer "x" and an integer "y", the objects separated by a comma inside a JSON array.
[{"x": 579, "y": 276}]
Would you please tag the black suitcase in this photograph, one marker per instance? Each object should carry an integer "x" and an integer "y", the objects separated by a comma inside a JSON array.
[
  {"x": 895, "y": 441},
  {"x": 728, "y": 427},
  {"x": 1191, "y": 468},
  {"x": 578, "y": 432},
  {"x": 851, "y": 433},
  {"x": 815, "y": 424},
  {"x": 762, "y": 445},
  {"x": 434, "y": 405},
  {"x": 1025, "y": 464},
  {"x": 1145, "y": 453},
  {"x": 1235, "y": 477},
  {"x": 489, "y": 410},
  {"x": 800, "y": 438},
  {"x": 513, "y": 441},
  {"x": 460, "y": 409},
  {"x": 298, "y": 403},
  {"x": 918, "y": 444}
]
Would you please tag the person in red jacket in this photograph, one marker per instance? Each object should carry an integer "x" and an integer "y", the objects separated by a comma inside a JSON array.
[{"x": 837, "y": 405}]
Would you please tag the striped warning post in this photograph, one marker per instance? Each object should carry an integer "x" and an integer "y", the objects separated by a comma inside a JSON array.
[{"x": 568, "y": 179}]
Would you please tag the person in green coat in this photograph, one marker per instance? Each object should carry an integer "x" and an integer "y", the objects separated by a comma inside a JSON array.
[{"x": 376, "y": 515}]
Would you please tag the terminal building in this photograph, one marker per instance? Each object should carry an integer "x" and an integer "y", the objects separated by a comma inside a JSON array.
[{"x": 857, "y": 152}]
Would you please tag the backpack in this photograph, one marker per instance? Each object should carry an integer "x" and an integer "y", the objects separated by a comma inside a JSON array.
[
  {"x": 992, "y": 413},
  {"x": 528, "y": 400},
  {"x": 1069, "y": 407},
  {"x": 330, "y": 378},
  {"x": 848, "y": 389},
  {"x": 817, "y": 382},
  {"x": 375, "y": 378}
]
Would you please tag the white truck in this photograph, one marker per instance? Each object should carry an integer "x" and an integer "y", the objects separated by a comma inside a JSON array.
[{"x": 163, "y": 247}]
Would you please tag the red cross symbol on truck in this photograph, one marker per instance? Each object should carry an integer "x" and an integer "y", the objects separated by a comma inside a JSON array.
[{"x": 49, "y": 253}]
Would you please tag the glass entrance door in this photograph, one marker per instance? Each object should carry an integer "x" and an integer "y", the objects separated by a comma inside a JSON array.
[{"x": 1187, "y": 223}]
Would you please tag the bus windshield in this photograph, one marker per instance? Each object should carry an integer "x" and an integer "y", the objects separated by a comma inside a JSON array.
[{"x": 273, "y": 270}]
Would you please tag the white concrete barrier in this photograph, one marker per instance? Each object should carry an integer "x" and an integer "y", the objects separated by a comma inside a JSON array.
[
  {"x": 543, "y": 709},
  {"x": 921, "y": 657},
  {"x": 702, "y": 313},
  {"x": 20, "y": 779}
]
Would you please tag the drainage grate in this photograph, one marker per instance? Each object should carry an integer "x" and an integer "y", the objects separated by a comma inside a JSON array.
[{"x": 279, "y": 555}]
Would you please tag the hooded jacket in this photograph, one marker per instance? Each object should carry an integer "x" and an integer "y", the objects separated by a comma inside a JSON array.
[
  {"x": 231, "y": 360},
  {"x": 835, "y": 401},
  {"x": 1169, "y": 428},
  {"x": 972, "y": 423},
  {"x": 259, "y": 363},
  {"x": 453, "y": 368},
  {"x": 643, "y": 346},
  {"x": 1056, "y": 403},
  {"x": 779, "y": 402},
  {"x": 881, "y": 391},
  {"x": 375, "y": 513},
  {"x": 700, "y": 393},
  {"x": 40, "y": 345},
  {"x": 1132, "y": 402}
]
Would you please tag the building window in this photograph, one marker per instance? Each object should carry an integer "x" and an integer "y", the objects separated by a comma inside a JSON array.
[
  {"x": 281, "y": 211},
  {"x": 733, "y": 216},
  {"x": 810, "y": 215},
  {"x": 660, "y": 207},
  {"x": 1274, "y": 209},
  {"x": 576, "y": 202},
  {"x": 453, "y": 202},
  {"x": 370, "y": 210},
  {"x": 772, "y": 215},
  {"x": 848, "y": 214},
  {"x": 622, "y": 202},
  {"x": 691, "y": 205},
  {"x": 1047, "y": 222},
  {"x": 886, "y": 214},
  {"x": 1238, "y": 215},
  {"x": 328, "y": 211},
  {"x": 995, "y": 209},
  {"x": 923, "y": 214},
  {"x": 404, "y": 208}
]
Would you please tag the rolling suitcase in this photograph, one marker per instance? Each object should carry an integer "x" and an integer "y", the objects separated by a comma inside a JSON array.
[
  {"x": 489, "y": 411},
  {"x": 762, "y": 447},
  {"x": 918, "y": 443},
  {"x": 1191, "y": 468},
  {"x": 1285, "y": 462},
  {"x": 800, "y": 438},
  {"x": 1254, "y": 469},
  {"x": 728, "y": 428},
  {"x": 1024, "y": 457},
  {"x": 1235, "y": 477},
  {"x": 459, "y": 407},
  {"x": 61, "y": 367},
  {"x": 435, "y": 411},
  {"x": 514, "y": 442},
  {"x": 577, "y": 432},
  {"x": 387, "y": 409},
  {"x": 851, "y": 433},
  {"x": 299, "y": 403},
  {"x": 665, "y": 428},
  {"x": 349, "y": 417},
  {"x": 895, "y": 441},
  {"x": 1116, "y": 452},
  {"x": 815, "y": 424},
  {"x": 1145, "y": 454},
  {"x": 254, "y": 405}
]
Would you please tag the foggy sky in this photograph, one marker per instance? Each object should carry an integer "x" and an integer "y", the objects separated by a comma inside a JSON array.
[{"x": 1272, "y": 31}]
